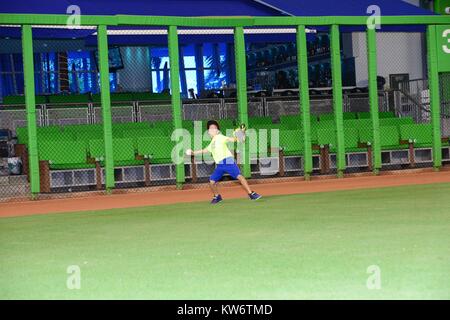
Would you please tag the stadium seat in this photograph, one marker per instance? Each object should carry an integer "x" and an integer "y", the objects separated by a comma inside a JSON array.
[
  {"x": 131, "y": 125},
  {"x": 256, "y": 121},
  {"x": 79, "y": 127},
  {"x": 22, "y": 135},
  {"x": 272, "y": 126},
  {"x": 358, "y": 123},
  {"x": 188, "y": 125},
  {"x": 327, "y": 137},
  {"x": 86, "y": 135},
  {"x": 226, "y": 124},
  {"x": 396, "y": 121},
  {"x": 55, "y": 136},
  {"x": 167, "y": 126},
  {"x": 351, "y": 140},
  {"x": 349, "y": 115},
  {"x": 328, "y": 124},
  {"x": 54, "y": 133},
  {"x": 136, "y": 133},
  {"x": 381, "y": 115},
  {"x": 291, "y": 122},
  {"x": 330, "y": 116},
  {"x": 123, "y": 152},
  {"x": 386, "y": 114},
  {"x": 421, "y": 135},
  {"x": 259, "y": 139},
  {"x": 314, "y": 127},
  {"x": 158, "y": 149},
  {"x": 365, "y": 135},
  {"x": 326, "y": 117},
  {"x": 363, "y": 115},
  {"x": 291, "y": 142},
  {"x": 390, "y": 138},
  {"x": 64, "y": 155}
]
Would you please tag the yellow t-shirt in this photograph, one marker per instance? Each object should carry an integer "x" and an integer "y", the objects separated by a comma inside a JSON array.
[{"x": 218, "y": 148}]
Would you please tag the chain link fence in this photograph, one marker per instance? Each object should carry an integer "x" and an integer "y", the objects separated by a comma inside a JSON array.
[
  {"x": 14, "y": 182},
  {"x": 444, "y": 91},
  {"x": 406, "y": 131},
  {"x": 69, "y": 115},
  {"x": 66, "y": 75}
]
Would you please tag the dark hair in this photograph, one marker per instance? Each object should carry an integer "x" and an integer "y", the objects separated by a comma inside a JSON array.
[{"x": 212, "y": 123}]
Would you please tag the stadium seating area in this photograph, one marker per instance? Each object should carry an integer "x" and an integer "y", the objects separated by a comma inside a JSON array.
[
  {"x": 72, "y": 146},
  {"x": 149, "y": 143}
]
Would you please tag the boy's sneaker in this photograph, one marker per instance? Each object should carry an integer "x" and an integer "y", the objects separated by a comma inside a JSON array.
[
  {"x": 254, "y": 196},
  {"x": 216, "y": 199}
]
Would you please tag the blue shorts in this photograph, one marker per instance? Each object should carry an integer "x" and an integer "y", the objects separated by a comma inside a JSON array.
[{"x": 227, "y": 165}]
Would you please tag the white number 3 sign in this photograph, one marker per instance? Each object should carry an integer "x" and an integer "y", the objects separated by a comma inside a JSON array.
[{"x": 446, "y": 34}]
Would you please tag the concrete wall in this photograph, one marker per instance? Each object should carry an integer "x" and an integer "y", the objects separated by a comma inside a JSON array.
[{"x": 397, "y": 53}]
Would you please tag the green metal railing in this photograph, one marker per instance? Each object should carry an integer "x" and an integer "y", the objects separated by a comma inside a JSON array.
[{"x": 238, "y": 23}]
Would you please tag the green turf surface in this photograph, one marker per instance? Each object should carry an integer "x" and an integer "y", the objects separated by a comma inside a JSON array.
[{"x": 284, "y": 247}]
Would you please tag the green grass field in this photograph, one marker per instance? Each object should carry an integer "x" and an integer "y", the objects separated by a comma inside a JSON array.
[{"x": 312, "y": 246}]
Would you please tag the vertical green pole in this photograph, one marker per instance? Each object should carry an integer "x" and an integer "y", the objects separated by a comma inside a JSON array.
[
  {"x": 440, "y": 5},
  {"x": 435, "y": 105},
  {"x": 336, "y": 75},
  {"x": 176, "y": 97},
  {"x": 102, "y": 39},
  {"x": 241, "y": 79},
  {"x": 30, "y": 104},
  {"x": 373, "y": 97},
  {"x": 302, "y": 65}
]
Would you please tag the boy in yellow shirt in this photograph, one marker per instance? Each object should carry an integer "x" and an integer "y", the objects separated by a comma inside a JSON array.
[{"x": 224, "y": 162}]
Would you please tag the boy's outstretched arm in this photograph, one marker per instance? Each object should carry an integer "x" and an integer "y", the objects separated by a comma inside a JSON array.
[
  {"x": 231, "y": 139},
  {"x": 190, "y": 152}
]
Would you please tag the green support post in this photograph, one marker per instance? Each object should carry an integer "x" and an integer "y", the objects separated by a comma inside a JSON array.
[
  {"x": 435, "y": 104},
  {"x": 176, "y": 96},
  {"x": 30, "y": 104},
  {"x": 241, "y": 79},
  {"x": 102, "y": 42},
  {"x": 336, "y": 75},
  {"x": 373, "y": 97},
  {"x": 302, "y": 65},
  {"x": 439, "y": 6}
]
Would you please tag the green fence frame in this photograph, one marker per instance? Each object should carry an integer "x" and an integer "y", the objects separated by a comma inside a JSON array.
[
  {"x": 241, "y": 79},
  {"x": 435, "y": 104},
  {"x": 102, "y": 39},
  {"x": 238, "y": 23},
  {"x": 176, "y": 95},
  {"x": 303, "y": 82},
  {"x": 373, "y": 96},
  {"x": 30, "y": 103},
  {"x": 338, "y": 104}
]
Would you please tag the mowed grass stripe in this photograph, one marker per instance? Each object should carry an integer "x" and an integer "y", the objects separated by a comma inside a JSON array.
[{"x": 305, "y": 246}]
